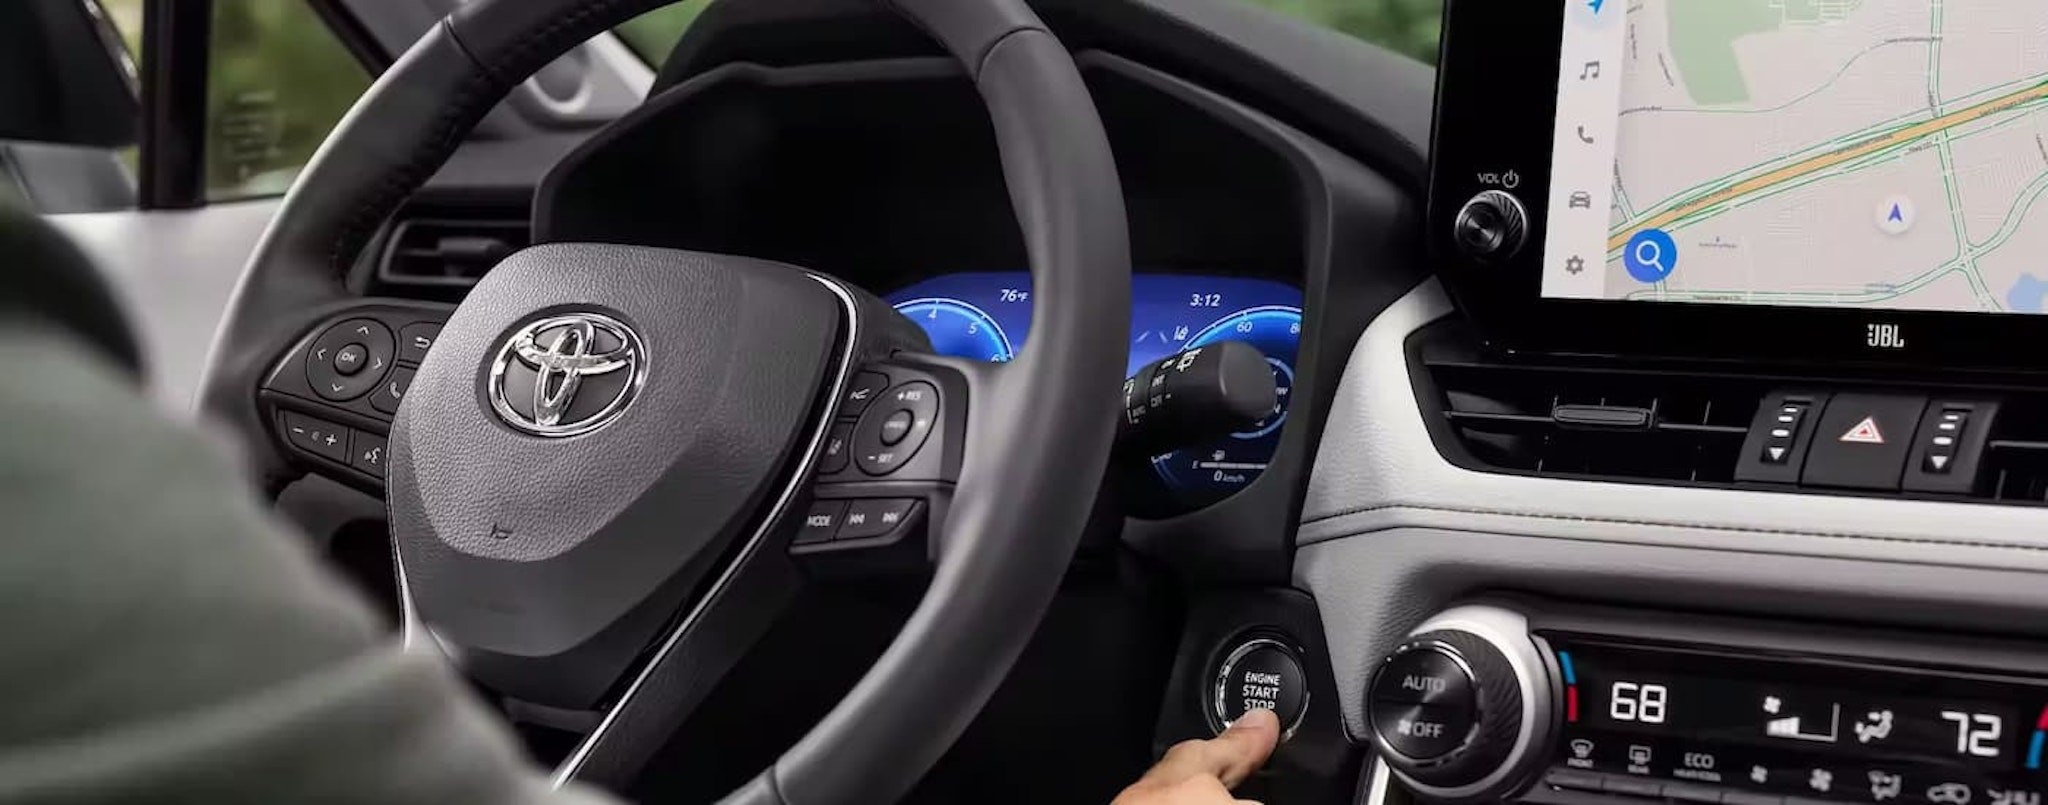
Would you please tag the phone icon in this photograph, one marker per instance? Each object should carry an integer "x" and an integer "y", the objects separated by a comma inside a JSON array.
[{"x": 1584, "y": 137}]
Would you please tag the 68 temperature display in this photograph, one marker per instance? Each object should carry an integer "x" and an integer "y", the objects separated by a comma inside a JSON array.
[{"x": 1637, "y": 701}]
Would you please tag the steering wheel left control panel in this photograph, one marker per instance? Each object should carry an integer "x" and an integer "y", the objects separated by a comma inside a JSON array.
[{"x": 329, "y": 401}]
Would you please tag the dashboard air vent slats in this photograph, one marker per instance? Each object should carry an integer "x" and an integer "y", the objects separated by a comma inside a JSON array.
[
  {"x": 448, "y": 252},
  {"x": 1572, "y": 422},
  {"x": 1663, "y": 424}
]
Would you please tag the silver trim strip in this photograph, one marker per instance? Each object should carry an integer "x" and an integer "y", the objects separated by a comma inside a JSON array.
[
  {"x": 567, "y": 771},
  {"x": 1376, "y": 792},
  {"x": 637, "y": 75}
]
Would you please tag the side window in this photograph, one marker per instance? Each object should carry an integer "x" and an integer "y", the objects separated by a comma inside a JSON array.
[
  {"x": 653, "y": 34},
  {"x": 277, "y": 81},
  {"x": 1403, "y": 26}
]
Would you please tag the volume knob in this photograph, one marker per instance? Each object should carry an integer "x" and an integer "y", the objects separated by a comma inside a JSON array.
[{"x": 1491, "y": 227}]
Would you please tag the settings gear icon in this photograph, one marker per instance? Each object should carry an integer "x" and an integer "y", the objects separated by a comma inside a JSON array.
[{"x": 1575, "y": 265}]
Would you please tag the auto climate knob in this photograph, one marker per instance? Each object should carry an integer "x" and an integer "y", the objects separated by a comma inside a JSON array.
[
  {"x": 1491, "y": 227},
  {"x": 1459, "y": 709}
]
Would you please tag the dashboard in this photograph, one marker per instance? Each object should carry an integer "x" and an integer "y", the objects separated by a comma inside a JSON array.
[
  {"x": 1731, "y": 404},
  {"x": 987, "y": 316}
]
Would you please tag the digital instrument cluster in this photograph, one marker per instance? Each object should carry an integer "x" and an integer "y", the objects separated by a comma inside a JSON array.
[{"x": 987, "y": 316}]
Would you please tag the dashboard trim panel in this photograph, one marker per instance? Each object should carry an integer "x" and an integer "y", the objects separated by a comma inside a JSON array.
[{"x": 1392, "y": 532}]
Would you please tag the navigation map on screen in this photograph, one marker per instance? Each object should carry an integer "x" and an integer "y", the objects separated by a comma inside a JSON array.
[{"x": 1829, "y": 153}]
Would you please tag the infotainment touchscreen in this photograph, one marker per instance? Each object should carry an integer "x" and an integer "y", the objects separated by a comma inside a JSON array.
[{"x": 1861, "y": 154}]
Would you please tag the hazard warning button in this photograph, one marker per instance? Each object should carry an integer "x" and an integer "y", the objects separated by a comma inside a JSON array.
[{"x": 1862, "y": 440}]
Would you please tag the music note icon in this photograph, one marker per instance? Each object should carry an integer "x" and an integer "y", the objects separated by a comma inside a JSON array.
[{"x": 1591, "y": 72}]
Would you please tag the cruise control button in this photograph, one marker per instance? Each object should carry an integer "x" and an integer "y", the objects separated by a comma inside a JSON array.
[
  {"x": 865, "y": 388},
  {"x": 875, "y": 518},
  {"x": 821, "y": 523},
  {"x": 415, "y": 339},
  {"x": 392, "y": 391},
  {"x": 1424, "y": 676},
  {"x": 896, "y": 426},
  {"x": 1420, "y": 731},
  {"x": 368, "y": 454},
  {"x": 873, "y": 452},
  {"x": 350, "y": 359},
  {"x": 838, "y": 450},
  {"x": 317, "y": 436}
]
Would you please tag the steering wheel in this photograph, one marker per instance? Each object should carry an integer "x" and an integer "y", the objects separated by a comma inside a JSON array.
[{"x": 599, "y": 472}]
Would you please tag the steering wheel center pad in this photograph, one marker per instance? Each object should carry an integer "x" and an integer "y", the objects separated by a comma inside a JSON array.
[{"x": 734, "y": 354}]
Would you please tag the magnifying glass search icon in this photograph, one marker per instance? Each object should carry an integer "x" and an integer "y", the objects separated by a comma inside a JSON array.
[{"x": 1651, "y": 256}]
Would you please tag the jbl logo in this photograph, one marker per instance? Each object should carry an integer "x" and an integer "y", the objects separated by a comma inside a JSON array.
[{"x": 1884, "y": 336}]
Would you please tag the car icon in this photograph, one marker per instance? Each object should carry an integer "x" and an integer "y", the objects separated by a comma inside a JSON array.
[{"x": 1949, "y": 794}]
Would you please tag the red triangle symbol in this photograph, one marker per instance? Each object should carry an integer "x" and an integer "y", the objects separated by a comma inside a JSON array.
[{"x": 1865, "y": 432}]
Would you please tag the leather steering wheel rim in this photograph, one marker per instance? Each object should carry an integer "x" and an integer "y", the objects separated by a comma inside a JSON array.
[{"x": 1029, "y": 480}]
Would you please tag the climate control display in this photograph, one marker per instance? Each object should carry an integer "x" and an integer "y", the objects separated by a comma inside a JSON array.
[{"x": 1808, "y": 728}]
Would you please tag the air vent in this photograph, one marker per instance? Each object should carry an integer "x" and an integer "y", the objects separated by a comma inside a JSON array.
[
  {"x": 1614, "y": 421},
  {"x": 448, "y": 252},
  {"x": 2016, "y": 460},
  {"x": 1641, "y": 426}
]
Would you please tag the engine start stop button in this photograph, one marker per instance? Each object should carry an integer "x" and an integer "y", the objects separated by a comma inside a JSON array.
[{"x": 1263, "y": 674}]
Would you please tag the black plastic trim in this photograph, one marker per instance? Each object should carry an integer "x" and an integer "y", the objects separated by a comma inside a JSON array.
[{"x": 176, "y": 39}]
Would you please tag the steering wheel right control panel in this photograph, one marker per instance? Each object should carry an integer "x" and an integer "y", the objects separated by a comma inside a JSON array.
[{"x": 1565, "y": 706}]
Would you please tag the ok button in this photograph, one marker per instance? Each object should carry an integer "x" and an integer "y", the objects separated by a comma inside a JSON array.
[{"x": 349, "y": 359}]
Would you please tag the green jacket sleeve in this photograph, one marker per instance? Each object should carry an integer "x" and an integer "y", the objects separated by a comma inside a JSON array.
[{"x": 166, "y": 640}]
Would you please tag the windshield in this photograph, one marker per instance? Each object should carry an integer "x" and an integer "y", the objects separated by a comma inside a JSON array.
[{"x": 1404, "y": 26}]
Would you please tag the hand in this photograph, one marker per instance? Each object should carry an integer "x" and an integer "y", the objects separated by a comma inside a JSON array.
[{"x": 1203, "y": 772}]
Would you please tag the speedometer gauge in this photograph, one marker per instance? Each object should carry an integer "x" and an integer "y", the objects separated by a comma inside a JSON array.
[
  {"x": 959, "y": 329},
  {"x": 1214, "y": 471}
]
